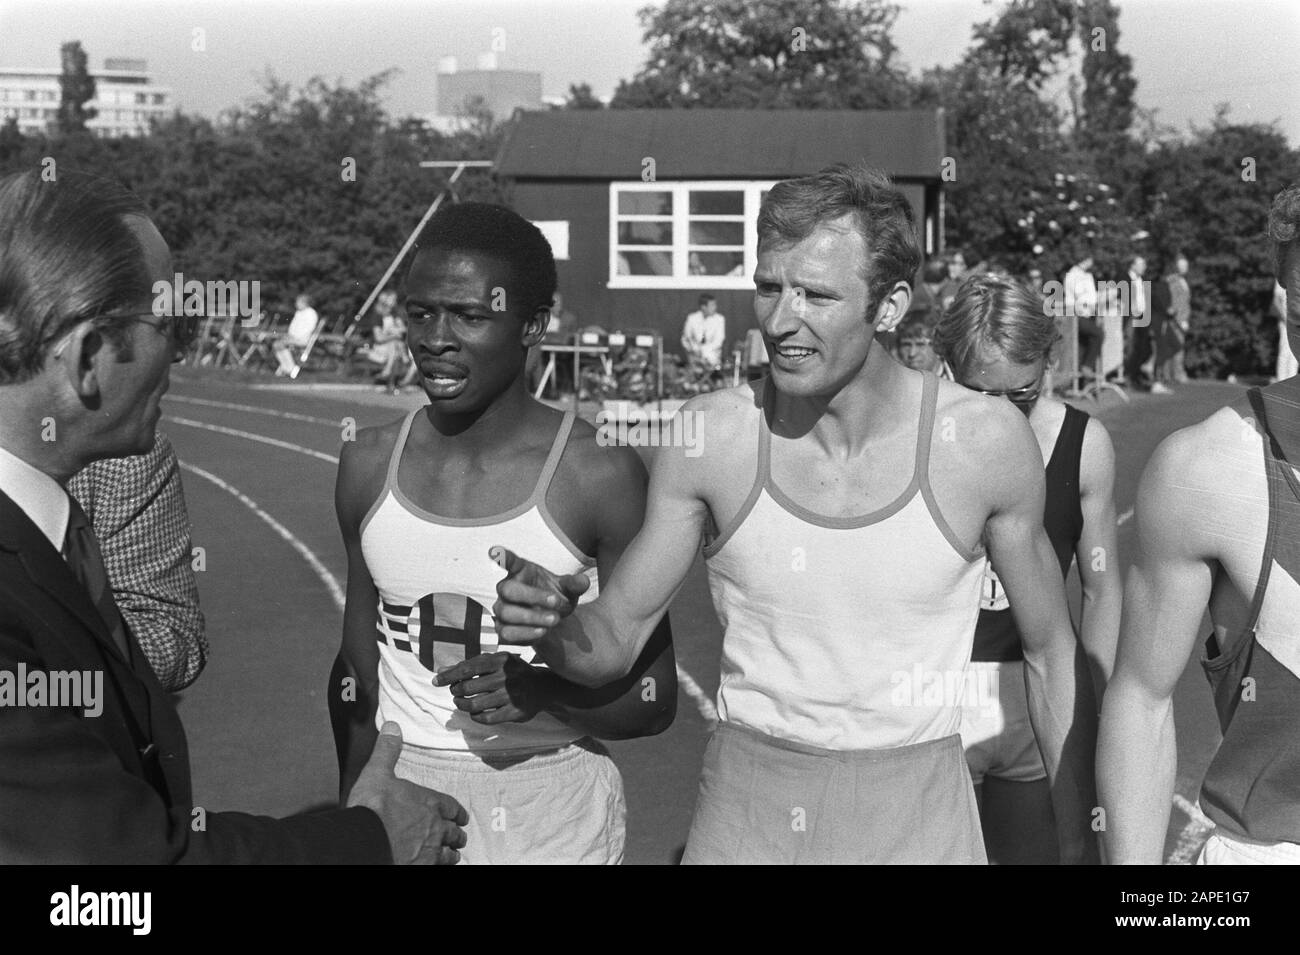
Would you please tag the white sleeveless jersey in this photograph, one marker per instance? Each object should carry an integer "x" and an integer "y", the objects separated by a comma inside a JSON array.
[
  {"x": 436, "y": 588},
  {"x": 845, "y": 633}
]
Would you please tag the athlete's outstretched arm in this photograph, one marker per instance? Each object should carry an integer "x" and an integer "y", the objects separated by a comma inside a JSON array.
[
  {"x": 601, "y": 641},
  {"x": 1097, "y": 553},
  {"x": 1168, "y": 588},
  {"x": 499, "y": 687},
  {"x": 1062, "y": 705}
]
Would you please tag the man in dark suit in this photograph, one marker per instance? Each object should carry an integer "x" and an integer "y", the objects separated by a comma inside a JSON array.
[{"x": 94, "y": 766}]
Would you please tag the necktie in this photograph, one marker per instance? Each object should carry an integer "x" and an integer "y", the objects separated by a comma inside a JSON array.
[{"x": 81, "y": 551}]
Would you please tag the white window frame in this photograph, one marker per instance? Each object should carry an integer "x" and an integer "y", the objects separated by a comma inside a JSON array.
[{"x": 681, "y": 219}]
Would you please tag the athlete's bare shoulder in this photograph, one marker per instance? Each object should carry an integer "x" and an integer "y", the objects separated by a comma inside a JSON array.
[
  {"x": 1204, "y": 487},
  {"x": 1202, "y": 455},
  {"x": 981, "y": 430},
  {"x": 727, "y": 405},
  {"x": 597, "y": 465},
  {"x": 363, "y": 464}
]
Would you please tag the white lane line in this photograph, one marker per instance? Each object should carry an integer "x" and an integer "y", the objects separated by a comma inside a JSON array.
[
  {"x": 684, "y": 679},
  {"x": 1124, "y": 518},
  {"x": 249, "y": 436},
  {"x": 269, "y": 412},
  {"x": 1188, "y": 845},
  {"x": 328, "y": 579}
]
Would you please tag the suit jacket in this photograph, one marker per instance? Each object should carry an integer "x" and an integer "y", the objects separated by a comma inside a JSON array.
[{"x": 115, "y": 788}]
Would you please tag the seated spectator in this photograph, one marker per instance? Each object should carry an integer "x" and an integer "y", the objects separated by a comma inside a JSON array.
[
  {"x": 389, "y": 348},
  {"x": 704, "y": 334},
  {"x": 301, "y": 328}
]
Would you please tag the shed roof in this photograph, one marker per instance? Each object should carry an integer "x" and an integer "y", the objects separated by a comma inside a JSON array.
[{"x": 719, "y": 143}]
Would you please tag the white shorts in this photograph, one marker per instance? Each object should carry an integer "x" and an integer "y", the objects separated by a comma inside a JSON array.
[
  {"x": 561, "y": 807},
  {"x": 1224, "y": 848},
  {"x": 996, "y": 732}
]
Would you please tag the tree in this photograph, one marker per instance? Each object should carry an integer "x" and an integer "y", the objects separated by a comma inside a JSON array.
[
  {"x": 1109, "y": 84},
  {"x": 1208, "y": 196},
  {"x": 11, "y": 140},
  {"x": 765, "y": 54},
  {"x": 310, "y": 189},
  {"x": 581, "y": 97},
  {"x": 76, "y": 88},
  {"x": 1024, "y": 44}
]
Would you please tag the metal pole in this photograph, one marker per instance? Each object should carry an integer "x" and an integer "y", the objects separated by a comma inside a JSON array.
[{"x": 460, "y": 166}]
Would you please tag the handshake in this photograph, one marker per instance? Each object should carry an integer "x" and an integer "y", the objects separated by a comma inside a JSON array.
[{"x": 423, "y": 826}]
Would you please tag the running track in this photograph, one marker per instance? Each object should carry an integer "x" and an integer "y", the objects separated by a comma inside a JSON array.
[{"x": 259, "y": 464}]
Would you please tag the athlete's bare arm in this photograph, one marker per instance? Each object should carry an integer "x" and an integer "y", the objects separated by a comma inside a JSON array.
[
  {"x": 601, "y": 640},
  {"x": 1097, "y": 553},
  {"x": 609, "y": 485},
  {"x": 1168, "y": 587},
  {"x": 1062, "y": 707},
  {"x": 353, "y": 694}
]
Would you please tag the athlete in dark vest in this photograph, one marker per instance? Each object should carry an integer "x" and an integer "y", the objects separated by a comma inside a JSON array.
[{"x": 997, "y": 339}]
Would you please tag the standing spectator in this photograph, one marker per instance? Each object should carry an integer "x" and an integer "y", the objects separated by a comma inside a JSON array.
[
  {"x": 1117, "y": 302},
  {"x": 301, "y": 328},
  {"x": 956, "y": 272},
  {"x": 1286, "y": 361},
  {"x": 1176, "y": 322},
  {"x": 916, "y": 344},
  {"x": 704, "y": 334},
  {"x": 1081, "y": 301},
  {"x": 927, "y": 297},
  {"x": 1137, "y": 322}
]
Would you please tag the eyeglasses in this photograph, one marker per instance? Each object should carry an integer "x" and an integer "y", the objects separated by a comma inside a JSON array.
[
  {"x": 180, "y": 330},
  {"x": 1024, "y": 396}
]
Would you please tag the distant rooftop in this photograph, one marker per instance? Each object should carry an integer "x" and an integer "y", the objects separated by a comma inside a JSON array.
[{"x": 719, "y": 143}]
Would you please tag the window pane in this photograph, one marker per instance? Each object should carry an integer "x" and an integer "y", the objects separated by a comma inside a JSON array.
[
  {"x": 717, "y": 263},
  {"x": 645, "y": 263},
  {"x": 645, "y": 203},
  {"x": 645, "y": 233},
  {"x": 717, "y": 233},
  {"x": 717, "y": 203}
]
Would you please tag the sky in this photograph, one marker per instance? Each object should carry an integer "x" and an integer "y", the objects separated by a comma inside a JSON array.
[{"x": 1188, "y": 54}]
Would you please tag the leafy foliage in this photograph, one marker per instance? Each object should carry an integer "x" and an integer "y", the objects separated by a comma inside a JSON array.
[
  {"x": 76, "y": 88},
  {"x": 767, "y": 54},
  {"x": 266, "y": 193}
]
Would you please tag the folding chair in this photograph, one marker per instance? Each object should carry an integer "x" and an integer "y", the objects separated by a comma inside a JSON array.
[{"x": 340, "y": 344}]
